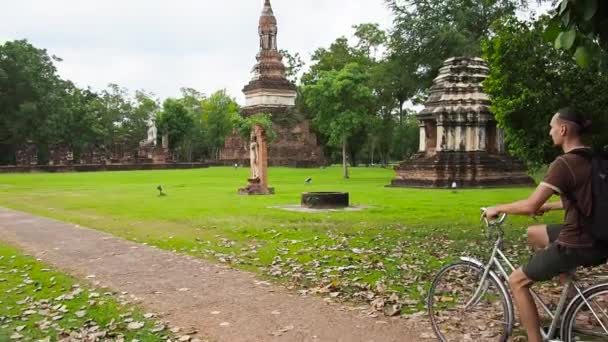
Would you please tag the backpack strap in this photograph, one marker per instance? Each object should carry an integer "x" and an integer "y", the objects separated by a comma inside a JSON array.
[{"x": 586, "y": 153}]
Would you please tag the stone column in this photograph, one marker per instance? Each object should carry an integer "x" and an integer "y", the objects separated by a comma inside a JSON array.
[
  {"x": 482, "y": 137},
  {"x": 452, "y": 138},
  {"x": 500, "y": 140},
  {"x": 259, "y": 185},
  {"x": 263, "y": 156},
  {"x": 459, "y": 139},
  {"x": 422, "y": 145},
  {"x": 165, "y": 142},
  {"x": 441, "y": 135}
]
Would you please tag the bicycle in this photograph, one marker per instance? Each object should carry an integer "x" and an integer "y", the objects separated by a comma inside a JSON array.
[{"x": 484, "y": 311}]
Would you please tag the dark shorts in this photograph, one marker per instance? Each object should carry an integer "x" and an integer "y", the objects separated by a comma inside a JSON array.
[{"x": 556, "y": 259}]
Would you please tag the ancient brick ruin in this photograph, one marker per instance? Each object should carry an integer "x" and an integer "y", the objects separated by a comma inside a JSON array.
[
  {"x": 460, "y": 143},
  {"x": 270, "y": 92}
]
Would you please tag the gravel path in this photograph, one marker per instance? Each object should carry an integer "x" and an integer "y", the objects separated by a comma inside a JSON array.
[{"x": 220, "y": 303}]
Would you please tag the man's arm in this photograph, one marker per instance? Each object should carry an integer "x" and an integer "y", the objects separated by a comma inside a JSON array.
[
  {"x": 552, "y": 206},
  {"x": 529, "y": 206}
]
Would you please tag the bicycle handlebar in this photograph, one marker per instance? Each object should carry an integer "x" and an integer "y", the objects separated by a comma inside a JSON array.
[{"x": 497, "y": 222}]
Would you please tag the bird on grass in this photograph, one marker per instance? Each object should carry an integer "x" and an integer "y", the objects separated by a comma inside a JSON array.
[
  {"x": 308, "y": 180},
  {"x": 160, "y": 190}
]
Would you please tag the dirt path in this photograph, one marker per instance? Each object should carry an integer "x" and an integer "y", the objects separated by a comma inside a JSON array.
[{"x": 222, "y": 304}]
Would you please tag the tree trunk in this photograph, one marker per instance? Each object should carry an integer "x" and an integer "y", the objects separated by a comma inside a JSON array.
[
  {"x": 344, "y": 165},
  {"x": 401, "y": 112},
  {"x": 373, "y": 148}
]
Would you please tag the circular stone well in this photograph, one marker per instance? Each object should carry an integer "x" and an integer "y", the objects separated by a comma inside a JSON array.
[{"x": 325, "y": 200}]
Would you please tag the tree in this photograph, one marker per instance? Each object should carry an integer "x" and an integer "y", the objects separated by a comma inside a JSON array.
[
  {"x": 30, "y": 91},
  {"x": 174, "y": 121},
  {"x": 245, "y": 126},
  {"x": 581, "y": 28},
  {"x": 530, "y": 80},
  {"x": 406, "y": 139},
  {"x": 76, "y": 125},
  {"x": 219, "y": 112},
  {"x": 370, "y": 37},
  {"x": 136, "y": 119},
  {"x": 193, "y": 146},
  {"x": 336, "y": 57},
  {"x": 341, "y": 102},
  {"x": 427, "y": 32},
  {"x": 294, "y": 65}
]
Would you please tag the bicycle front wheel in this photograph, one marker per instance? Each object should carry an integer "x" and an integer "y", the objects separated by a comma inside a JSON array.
[
  {"x": 587, "y": 320},
  {"x": 457, "y": 316}
]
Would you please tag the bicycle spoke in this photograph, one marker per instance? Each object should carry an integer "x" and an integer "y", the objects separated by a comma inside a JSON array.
[
  {"x": 485, "y": 319},
  {"x": 589, "y": 324}
]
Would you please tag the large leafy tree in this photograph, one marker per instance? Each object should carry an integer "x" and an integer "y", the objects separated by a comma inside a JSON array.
[
  {"x": 135, "y": 119},
  {"x": 342, "y": 102},
  {"x": 336, "y": 57},
  {"x": 193, "y": 145},
  {"x": 219, "y": 112},
  {"x": 530, "y": 80},
  {"x": 30, "y": 91},
  {"x": 581, "y": 28},
  {"x": 76, "y": 125},
  {"x": 174, "y": 121},
  {"x": 370, "y": 38},
  {"x": 427, "y": 32}
]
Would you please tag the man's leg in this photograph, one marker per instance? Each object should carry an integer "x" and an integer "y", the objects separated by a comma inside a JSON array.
[
  {"x": 528, "y": 313},
  {"x": 538, "y": 238}
]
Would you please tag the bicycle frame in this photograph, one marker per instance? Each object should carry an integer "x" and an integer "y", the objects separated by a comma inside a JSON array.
[{"x": 497, "y": 259}]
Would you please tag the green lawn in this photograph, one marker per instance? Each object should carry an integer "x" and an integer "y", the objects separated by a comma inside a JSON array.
[
  {"x": 395, "y": 246},
  {"x": 38, "y": 303}
]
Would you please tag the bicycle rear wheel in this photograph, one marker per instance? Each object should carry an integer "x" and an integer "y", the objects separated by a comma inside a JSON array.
[
  {"x": 488, "y": 317},
  {"x": 584, "y": 324}
]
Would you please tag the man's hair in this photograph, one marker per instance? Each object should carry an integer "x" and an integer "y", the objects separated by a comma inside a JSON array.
[{"x": 573, "y": 116}]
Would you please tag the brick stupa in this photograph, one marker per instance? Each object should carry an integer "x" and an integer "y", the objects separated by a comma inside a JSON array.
[
  {"x": 271, "y": 92},
  {"x": 460, "y": 143}
]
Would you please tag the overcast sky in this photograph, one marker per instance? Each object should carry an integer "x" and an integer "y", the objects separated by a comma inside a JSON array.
[{"x": 161, "y": 46}]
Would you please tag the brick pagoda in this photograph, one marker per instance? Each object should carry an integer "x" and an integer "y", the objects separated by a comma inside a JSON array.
[
  {"x": 270, "y": 92},
  {"x": 460, "y": 142}
]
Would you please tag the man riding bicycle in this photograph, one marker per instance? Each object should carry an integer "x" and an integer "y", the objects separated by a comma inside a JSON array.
[{"x": 559, "y": 248}]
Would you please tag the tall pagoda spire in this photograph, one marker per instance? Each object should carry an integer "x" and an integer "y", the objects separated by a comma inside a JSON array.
[
  {"x": 269, "y": 85},
  {"x": 268, "y": 28},
  {"x": 270, "y": 92},
  {"x": 269, "y": 60}
]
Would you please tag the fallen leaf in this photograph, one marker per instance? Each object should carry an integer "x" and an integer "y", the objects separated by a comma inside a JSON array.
[{"x": 135, "y": 325}]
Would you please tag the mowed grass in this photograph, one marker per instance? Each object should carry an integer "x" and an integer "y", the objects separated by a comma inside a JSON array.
[
  {"x": 394, "y": 246},
  {"x": 39, "y": 303}
]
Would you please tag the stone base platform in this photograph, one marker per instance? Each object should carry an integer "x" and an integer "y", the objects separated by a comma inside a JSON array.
[
  {"x": 466, "y": 169},
  {"x": 255, "y": 187}
]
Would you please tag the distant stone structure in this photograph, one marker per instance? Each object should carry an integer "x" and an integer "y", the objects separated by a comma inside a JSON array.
[
  {"x": 149, "y": 151},
  {"x": 27, "y": 156},
  {"x": 258, "y": 159},
  {"x": 270, "y": 92},
  {"x": 460, "y": 143}
]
